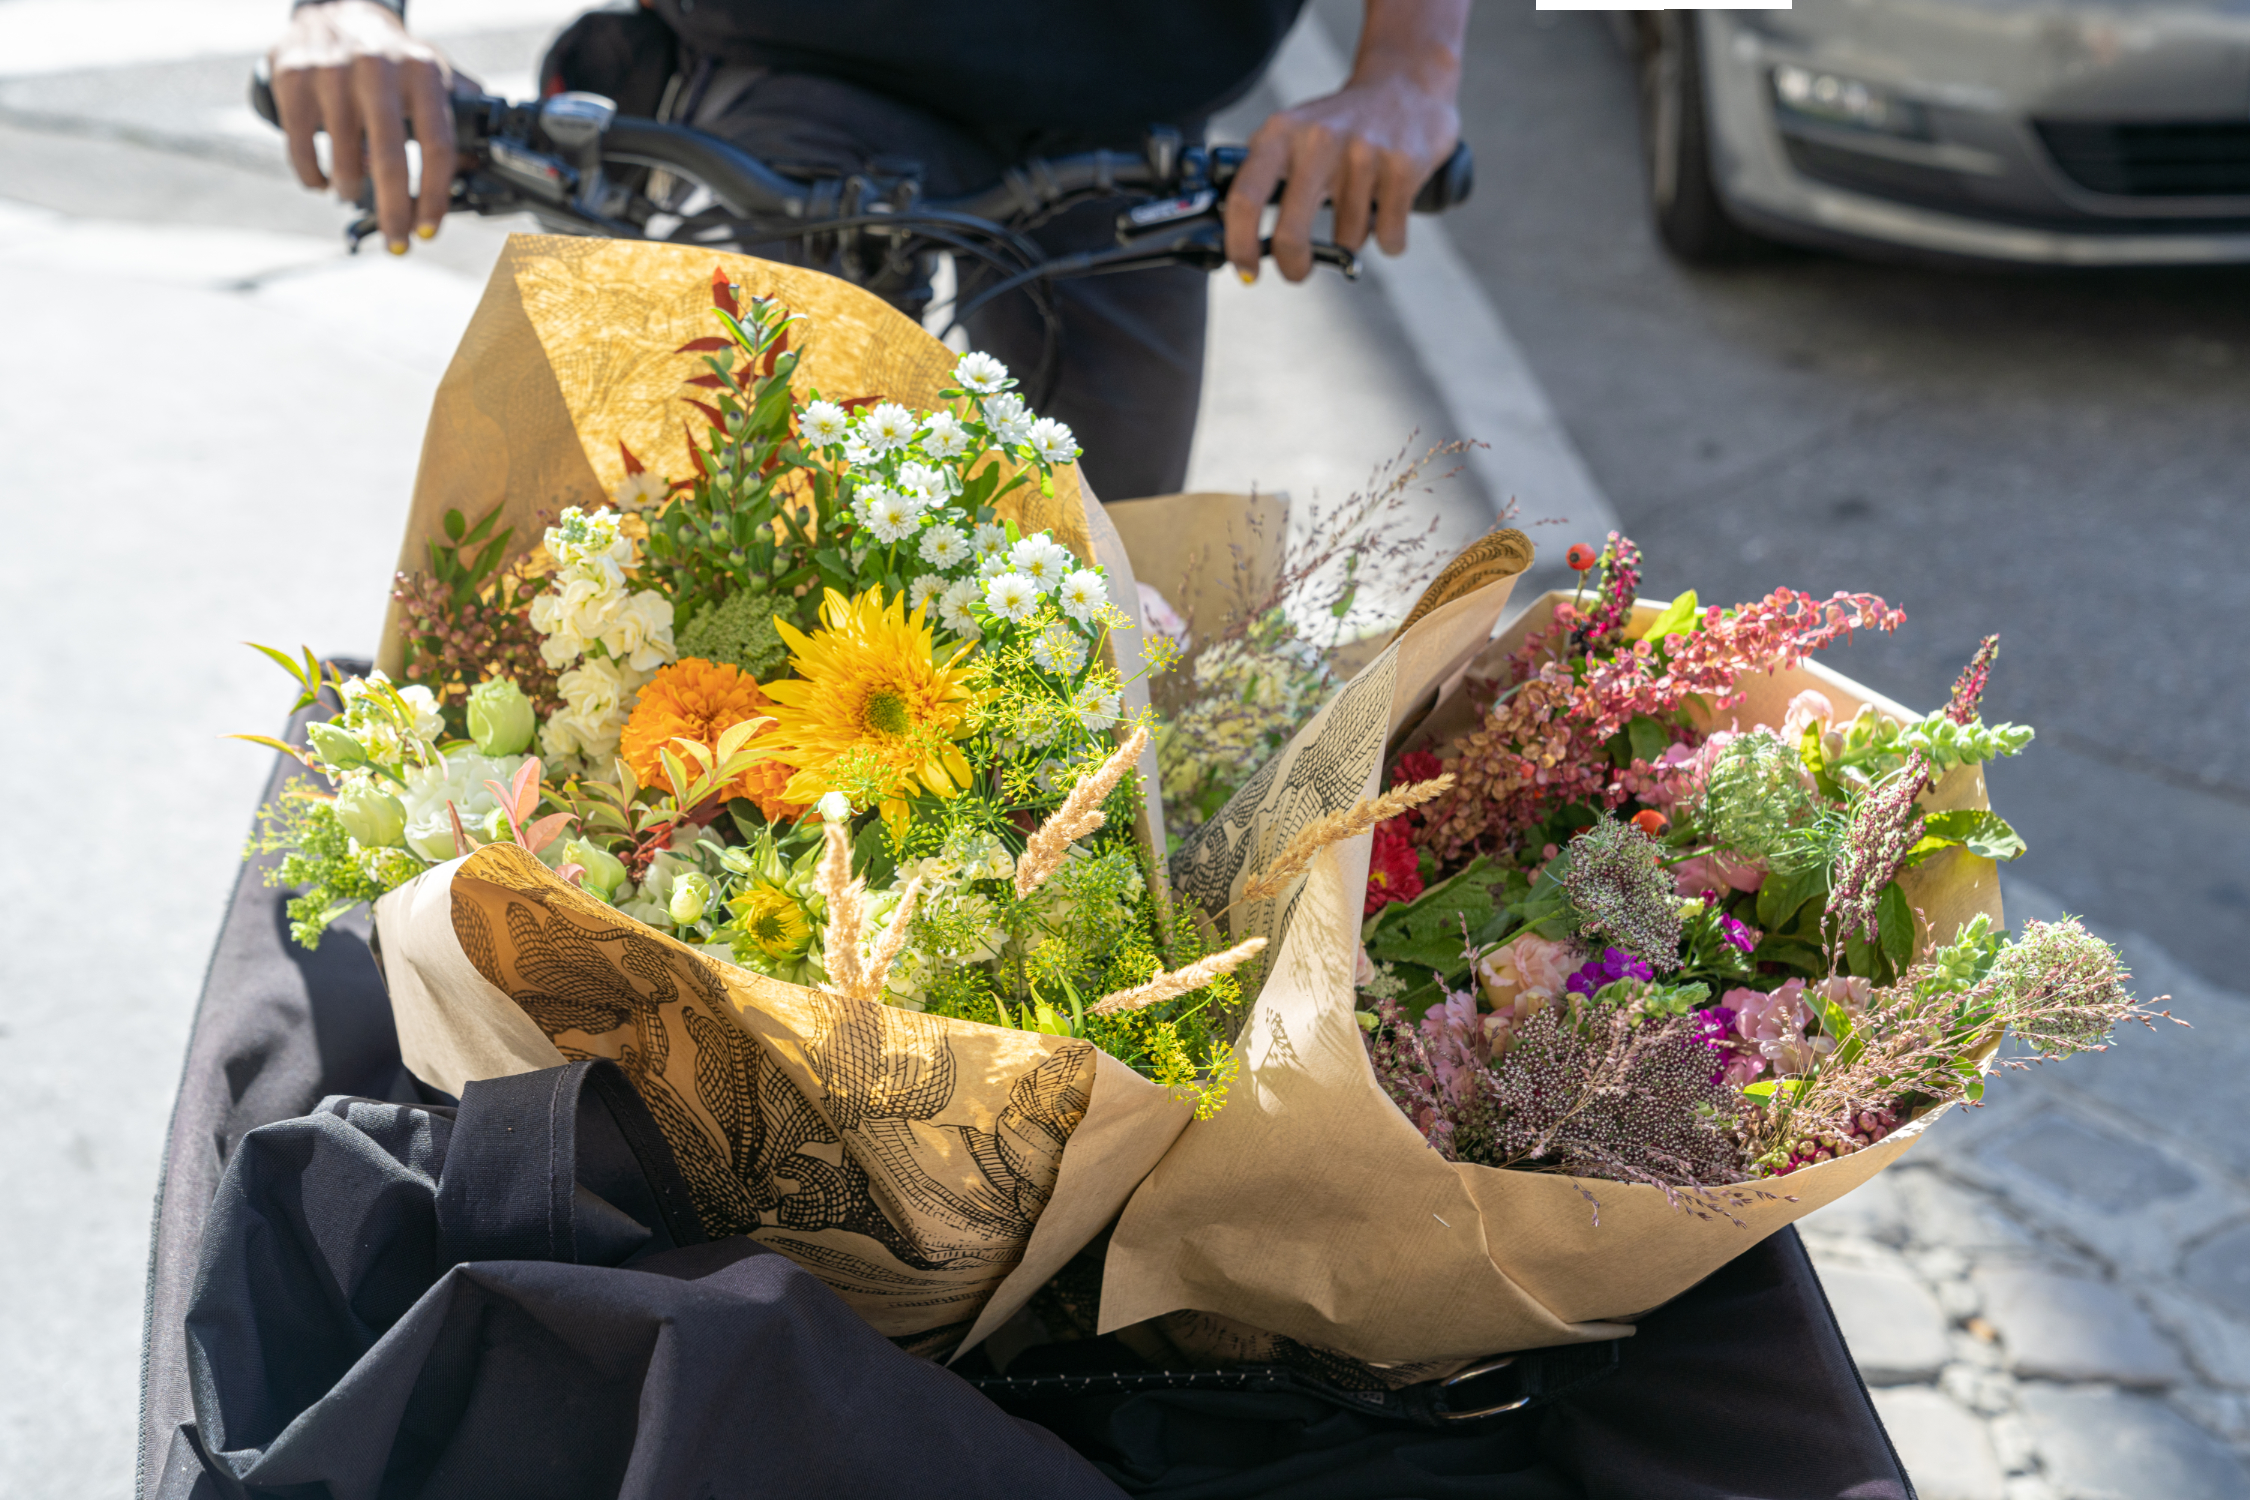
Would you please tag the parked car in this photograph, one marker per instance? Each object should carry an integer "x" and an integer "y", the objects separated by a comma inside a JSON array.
[{"x": 2055, "y": 132}]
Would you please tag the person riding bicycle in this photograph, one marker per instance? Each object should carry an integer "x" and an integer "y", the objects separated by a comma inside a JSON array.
[{"x": 965, "y": 88}]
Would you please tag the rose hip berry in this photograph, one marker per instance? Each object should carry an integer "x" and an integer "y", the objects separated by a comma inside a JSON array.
[{"x": 1581, "y": 557}]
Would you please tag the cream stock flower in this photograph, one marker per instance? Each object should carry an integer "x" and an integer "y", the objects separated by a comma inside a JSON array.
[{"x": 641, "y": 633}]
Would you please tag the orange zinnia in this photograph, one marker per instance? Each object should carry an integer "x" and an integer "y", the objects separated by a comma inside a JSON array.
[{"x": 700, "y": 700}]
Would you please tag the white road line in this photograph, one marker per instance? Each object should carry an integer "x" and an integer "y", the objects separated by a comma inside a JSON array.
[{"x": 1479, "y": 371}]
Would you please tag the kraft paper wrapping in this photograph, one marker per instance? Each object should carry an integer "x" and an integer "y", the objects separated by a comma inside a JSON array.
[
  {"x": 571, "y": 351},
  {"x": 1310, "y": 1207},
  {"x": 934, "y": 1172}
]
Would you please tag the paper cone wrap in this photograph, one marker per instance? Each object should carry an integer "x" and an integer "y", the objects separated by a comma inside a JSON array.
[
  {"x": 1310, "y": 1207},
  {"x": 934, "y": 1172}
]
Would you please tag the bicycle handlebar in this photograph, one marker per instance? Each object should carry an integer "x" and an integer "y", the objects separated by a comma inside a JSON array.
[{"x": 589, "y": 132}]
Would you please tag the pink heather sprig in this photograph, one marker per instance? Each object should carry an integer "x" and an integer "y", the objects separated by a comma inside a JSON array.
[
  {"x": 1544, "y": 742},
  {"x": 1603, "y": 627},
  {"x": 1884, "y": 826},
  {"x": 1968, "y": 688}
]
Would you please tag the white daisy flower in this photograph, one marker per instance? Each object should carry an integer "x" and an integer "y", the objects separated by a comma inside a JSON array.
[
  {"x": 1058, "y": 651},
  {"x": 1041, "y": 559},
  {"x": 888, "y": 426},
  {"x": 858, "y": 454},
  {"x": 991, "y": 540},
  {"x": 944, "y": 546},
  {"x": 1098, "y": 708},
  {"x": 1009, "y": 419},
  {"x": 956, "y": 606},
  {"x": 919, "y": 591},
  {"x": 891, "y": 516},
  {"x": 1052, "y": 442},
  {"x": 981, "y": 373},
  {"x": 943, "y": 436},
  {"x": 921, "y": 481},
  {"x": 639, "y": 491},
  {"x": 993, "y": 566},
  {"x": 1081, "y": 594},
  {"x": 1011, "y": 596},
  {"x": 823, "y": 424}
]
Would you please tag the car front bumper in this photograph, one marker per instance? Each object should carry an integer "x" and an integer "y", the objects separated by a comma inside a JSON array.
[{"x": 1982, "y": 183}]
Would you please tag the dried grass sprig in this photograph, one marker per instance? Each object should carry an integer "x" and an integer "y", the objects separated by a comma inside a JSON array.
[
  {"x": 1079, "y": 815},
  {"x": 1334, "y": 828},
  {"x": 1183, "y": 981},
  {"x": 878, "y": 971},
  {"x": 846, "y": 895}
]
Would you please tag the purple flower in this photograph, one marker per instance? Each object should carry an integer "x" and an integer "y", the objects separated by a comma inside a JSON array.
[
  {"x": 1738, "y": 933},
  {"x": 1714, "y": 1025},
  {"x": 1613, "y": 965}
]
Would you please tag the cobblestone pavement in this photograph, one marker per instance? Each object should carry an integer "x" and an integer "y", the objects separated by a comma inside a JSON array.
[{"x": 2050, "y": 1296}]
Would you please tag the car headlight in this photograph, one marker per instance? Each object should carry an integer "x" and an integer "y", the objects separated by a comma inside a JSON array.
[{"x": 1833, "y": 100}]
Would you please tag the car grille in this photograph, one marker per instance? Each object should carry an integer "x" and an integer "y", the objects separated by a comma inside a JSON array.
[{"x": 2194, "y": 159}]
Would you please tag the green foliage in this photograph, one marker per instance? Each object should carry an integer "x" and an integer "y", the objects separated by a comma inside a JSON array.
[
  {"x": 1982, "y": 833},
  {"x": 1871, "y": 745},
  {"x": 319, "y": 855},
  {"x": 1431, "y": 935},
  {"x": 739, "y": 631}
]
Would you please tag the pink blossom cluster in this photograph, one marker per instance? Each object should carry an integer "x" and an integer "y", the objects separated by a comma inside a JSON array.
[{"x": 1544, "y": 742}]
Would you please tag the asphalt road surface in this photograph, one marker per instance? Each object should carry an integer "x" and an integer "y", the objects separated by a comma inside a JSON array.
[{"x": 2062, "y": 458}]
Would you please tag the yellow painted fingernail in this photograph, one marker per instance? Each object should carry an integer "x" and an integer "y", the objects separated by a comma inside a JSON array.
[
  {"x": 426, "y": 231},
  {"x": 1248, "y": 278},
  {"x": 398, "y": 247}
]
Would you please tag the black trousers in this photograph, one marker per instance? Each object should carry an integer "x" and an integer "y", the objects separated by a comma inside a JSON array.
[{"x": 1132, "y": 351}]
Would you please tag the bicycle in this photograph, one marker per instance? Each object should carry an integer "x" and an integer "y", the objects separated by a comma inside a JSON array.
[{"x": 580, "y": 167}]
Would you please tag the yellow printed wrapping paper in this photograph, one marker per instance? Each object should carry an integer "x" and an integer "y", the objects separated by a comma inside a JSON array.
[{"x": 1310, "y": 1207}]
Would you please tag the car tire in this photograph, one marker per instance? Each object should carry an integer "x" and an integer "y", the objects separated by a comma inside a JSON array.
[{"x": 1691, "y": 218}]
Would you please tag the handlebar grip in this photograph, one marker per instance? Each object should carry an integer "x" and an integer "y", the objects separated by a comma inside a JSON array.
[{"x": 1450, "y": 185}]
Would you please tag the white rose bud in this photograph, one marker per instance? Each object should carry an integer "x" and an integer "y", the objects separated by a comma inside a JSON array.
[{"x": 691, "y": 893}]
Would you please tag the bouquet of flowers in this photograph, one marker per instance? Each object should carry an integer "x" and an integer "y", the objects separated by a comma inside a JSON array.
[
  {"x": 1659, "y": 938},
  {"x": 805, "y": 785}
]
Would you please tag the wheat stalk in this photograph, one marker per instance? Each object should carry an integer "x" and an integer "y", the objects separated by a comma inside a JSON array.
[
  {"x": 1079, "y": 815},
  {"x": 1166, "y": 986},
  {"x": 894, "y": 938},
  {"x": 1334, "y": 828},
  {"x": 846, "y": 896}
]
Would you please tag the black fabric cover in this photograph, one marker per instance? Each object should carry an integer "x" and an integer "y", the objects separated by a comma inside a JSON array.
[
  {"x": 349, "y": 1331},
  {"x": 600, "y": 1362}
]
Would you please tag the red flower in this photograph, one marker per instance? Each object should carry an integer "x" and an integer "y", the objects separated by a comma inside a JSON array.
[
  {"x": 1416, "y": 765},
  {"x": 1394, "y": 870}
]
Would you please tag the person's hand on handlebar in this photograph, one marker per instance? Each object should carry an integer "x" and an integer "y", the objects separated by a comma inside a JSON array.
[
  {"x": 349, "y": 67},
  {"x": 1367, "y": 147}
]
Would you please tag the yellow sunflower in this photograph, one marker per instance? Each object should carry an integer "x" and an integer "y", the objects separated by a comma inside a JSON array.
[{"x": 867, "y": 707}]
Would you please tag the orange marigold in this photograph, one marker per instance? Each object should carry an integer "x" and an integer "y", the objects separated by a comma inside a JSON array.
[{"x": 700, "y": 700}]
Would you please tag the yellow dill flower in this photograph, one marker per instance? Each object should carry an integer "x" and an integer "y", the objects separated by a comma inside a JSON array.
[{"x": 867, "y": 698}]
